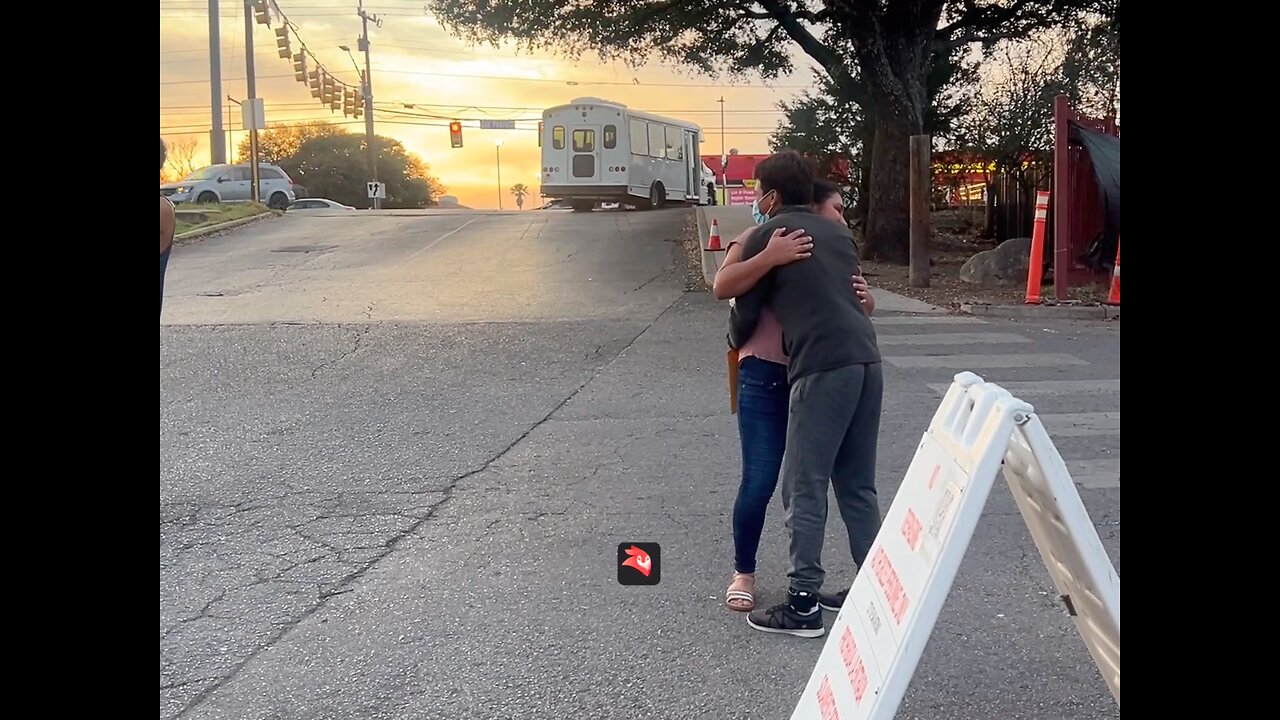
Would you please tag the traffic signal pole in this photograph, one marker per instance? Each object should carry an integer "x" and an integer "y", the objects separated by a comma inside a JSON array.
[
  {"x": 367, "y": 79},
  {"x": 249, "y": 70}
]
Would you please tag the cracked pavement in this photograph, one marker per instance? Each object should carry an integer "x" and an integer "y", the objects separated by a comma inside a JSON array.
[{"x": 394, "y": 473}]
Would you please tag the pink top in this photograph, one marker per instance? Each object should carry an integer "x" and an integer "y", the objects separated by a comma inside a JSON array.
[{"x": 766, "y": 342}]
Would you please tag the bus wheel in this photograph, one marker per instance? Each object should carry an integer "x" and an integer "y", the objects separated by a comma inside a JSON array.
[
  {"x": 582, "y": 205},
  {"x": 657, "y": 196}
]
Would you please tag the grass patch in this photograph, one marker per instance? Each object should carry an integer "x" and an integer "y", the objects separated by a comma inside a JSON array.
[{"x": 192, "y": 216}]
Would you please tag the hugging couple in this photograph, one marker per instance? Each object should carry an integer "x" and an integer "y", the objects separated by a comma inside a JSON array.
[{"x": 809, "y": 387}]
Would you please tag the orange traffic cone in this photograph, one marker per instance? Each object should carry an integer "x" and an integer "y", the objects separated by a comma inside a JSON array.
[
  {"x": 713, "y": 245},
  {"x": 1035, "y": 265},
  {"x": 1114, "y": 297}
]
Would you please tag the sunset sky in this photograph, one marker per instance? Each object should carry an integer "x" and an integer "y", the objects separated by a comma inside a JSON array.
[{"x": 415, "y": 62}]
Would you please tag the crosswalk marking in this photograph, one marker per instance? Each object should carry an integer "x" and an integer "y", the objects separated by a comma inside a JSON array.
[
  {"x": 927, "y": 320},
  {"x": 1082, "y": 424},
  {"x": 926, "y": 344},
  {"x": 958, "y": 338},
  {"x": 1098, "y": 474},
  {"x": 1049, "y": 388},
  {"x": 975, "y": 362}
]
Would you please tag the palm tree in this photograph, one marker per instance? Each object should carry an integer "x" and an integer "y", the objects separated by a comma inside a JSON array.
[{"x": 520, "y": 190}]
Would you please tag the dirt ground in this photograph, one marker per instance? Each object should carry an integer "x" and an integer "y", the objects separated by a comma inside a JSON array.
[{"x": 955, "y": 239}]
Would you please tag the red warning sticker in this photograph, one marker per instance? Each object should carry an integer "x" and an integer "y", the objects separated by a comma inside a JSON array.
[
  {"x": 827, "y": 700},
  {"x": 853, "y": 664},
  {"x": 911, "y": 529},
  {"x": 890, "y": 584}
]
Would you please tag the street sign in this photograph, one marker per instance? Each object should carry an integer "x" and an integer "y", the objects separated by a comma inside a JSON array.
[
  {"x": 253, "y": 114},
  {"x": 376, "y": 189},
  {"x": 497, "y": 124},
  {"x": 885, "y": 622}
]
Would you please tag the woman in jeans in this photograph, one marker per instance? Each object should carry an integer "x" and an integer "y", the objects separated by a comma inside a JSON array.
[{"x": 763, "y": 392}]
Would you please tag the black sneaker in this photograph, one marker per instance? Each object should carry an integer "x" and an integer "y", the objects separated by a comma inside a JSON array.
[
  {"x": 833, "y": 601},
  {"x": 786, "y": 619}
]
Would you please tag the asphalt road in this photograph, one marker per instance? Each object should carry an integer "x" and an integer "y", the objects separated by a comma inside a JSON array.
[{"x": 398, "y": 454}]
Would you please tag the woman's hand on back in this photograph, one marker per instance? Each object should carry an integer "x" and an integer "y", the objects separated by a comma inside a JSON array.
[{"x": 785, "y": 247}]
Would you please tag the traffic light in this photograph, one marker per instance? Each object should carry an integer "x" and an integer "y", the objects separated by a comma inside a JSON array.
[
  {"x": 348, "y": 101},
  {"x": 455, "y": 134},
  {"x": 540, "y": 128},
  {"x": 357, "y": 107},
  {"x": 339, "y": 94},
  {"x": 327, "y": 87},
  {"x": 313, "y": 79},
  {"x": 261, "y": 11},
  {"x": 300, "y": 67},
  {"x": 282, "y": 42}
]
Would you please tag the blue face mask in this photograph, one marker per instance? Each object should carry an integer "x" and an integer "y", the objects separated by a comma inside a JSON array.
[{"x": 757, "y": 214}]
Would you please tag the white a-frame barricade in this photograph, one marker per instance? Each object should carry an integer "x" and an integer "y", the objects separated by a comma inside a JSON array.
[{"x": 878, "y": 637}]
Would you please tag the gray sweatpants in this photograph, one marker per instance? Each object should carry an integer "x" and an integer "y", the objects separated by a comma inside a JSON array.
[{"x": 832, "y": 430}]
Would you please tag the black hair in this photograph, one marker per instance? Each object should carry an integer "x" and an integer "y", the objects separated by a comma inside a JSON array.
[
  {"x": 823, "y": 189},
  {"x": 788, "y": 174},
  {"x": 164, "y": 154}
]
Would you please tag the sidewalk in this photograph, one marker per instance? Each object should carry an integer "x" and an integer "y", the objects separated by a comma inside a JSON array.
[{"x": 733, "y": 219}]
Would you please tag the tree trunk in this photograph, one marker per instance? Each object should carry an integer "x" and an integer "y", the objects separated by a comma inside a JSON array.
[
  {"x": 888, "y": 228},
  {"x": 893, "y": 44}
]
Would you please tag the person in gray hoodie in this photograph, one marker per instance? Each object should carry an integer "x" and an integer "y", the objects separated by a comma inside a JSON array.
[{"x": 836, "y": 388}]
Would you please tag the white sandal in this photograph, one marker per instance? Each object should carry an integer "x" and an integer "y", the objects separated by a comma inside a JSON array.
[{"x": 741, "y": 600}]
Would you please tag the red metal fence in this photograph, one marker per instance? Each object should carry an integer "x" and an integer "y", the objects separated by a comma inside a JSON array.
[{"x": 1077, "y": 212}]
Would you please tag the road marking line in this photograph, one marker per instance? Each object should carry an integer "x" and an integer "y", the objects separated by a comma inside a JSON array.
[
  {"x": 968, "y": 362},
  {"x": 1098, "y": 474},
  {"x": 926, "y": 320},
  {"x": 435, "y": 242},
  {"x": 1062, "y": 425},
  {"x": 959, "y": 338},
  {"x": 1049, "y": 388}
]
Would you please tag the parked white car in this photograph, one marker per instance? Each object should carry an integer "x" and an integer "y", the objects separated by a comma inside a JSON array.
[{"x": 319, "y": 204}]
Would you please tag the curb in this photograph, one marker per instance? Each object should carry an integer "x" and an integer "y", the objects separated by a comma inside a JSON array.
[
  {"x": 210, "y": 229},
  {"x": 1071, "y": 312}
]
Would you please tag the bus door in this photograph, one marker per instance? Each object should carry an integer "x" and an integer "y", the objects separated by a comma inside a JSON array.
[
  {"x": 692, "y": 167},
  {"x": 584, "y": 154}
]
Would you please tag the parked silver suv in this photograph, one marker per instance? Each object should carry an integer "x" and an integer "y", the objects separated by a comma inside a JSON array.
[{"x": 231, "y": 183}]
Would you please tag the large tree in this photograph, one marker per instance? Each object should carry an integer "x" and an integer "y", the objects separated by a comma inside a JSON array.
[
  {"x": 821, "y": 125},
  {"x": 283, "y": 141},
  {"x": 334, "y": 167},
  {"x": 891, "y": 44}
]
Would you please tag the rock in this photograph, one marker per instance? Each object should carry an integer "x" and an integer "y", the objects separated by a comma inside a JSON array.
[{"x": 1002, "y": 266}]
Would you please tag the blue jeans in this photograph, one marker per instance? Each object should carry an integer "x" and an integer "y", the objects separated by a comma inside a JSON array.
[{"x": 763, "y": 397}]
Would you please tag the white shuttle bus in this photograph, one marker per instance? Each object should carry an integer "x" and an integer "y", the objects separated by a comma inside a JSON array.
[{"x": 595, "y": 150}]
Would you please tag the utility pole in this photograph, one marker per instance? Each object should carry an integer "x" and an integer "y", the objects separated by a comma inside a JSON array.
[
  {"x": 231, "y": 145},
  {"x": 217, "y": 146},
  {"x": 367, "y": 78},
  {"x": 254, "y": 193},
  {"x": 498, "y": 150},
  {"x": 724, "y": 157}
]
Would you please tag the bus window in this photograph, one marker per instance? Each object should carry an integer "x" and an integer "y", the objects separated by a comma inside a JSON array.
[
  {"x": 584, "y": 141},
  {"x": 610, "y": 137},
  {"x": 657, "y": 141},
  {"x": 639, "y": 138},
  {"x": 675, "y": 144},
  {"x": 557, "y": 137}
]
